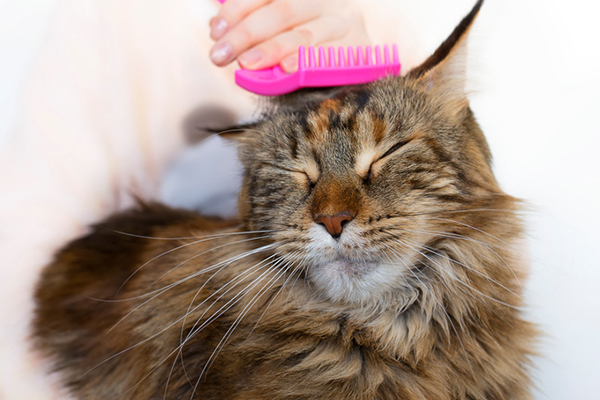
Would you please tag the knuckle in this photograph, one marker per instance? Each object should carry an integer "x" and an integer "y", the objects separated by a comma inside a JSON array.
[
  {"x": 243, "y": 37},
  {"x": 235, "y": 11},
  {"x": 275, "y": 48},
  {"x": 283, "y": 10},
  {"x": 306, "y": 35},
  {"x": 229, "y": 11}
]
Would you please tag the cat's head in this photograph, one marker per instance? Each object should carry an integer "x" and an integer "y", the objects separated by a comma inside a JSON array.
[{"x": 361, "y": 184}]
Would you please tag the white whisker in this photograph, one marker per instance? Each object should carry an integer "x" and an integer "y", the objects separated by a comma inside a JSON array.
[
  {"x": 190, "y": 310},
  {"x": 485, "y": 276},
  {"x": 229, "y": 332},
  {"x": 441, "y": 306},
  {"x": 462, "y": 237},
  {"x": 218, "y": 235},
  {"x": 466, "y": 225},
  {"x": 266, "y": 262},
  {"x": 174, "y": 249},
  {"x": 286, "y": 267},
  {"x": 178, "y": 348},
  {"x": 205, "y": 252},
  {"x": 467, "y": 210},
  {"x": 230, "y": 303},
  {"x": 470, "y": 287},
  {"x": 260, "y": 249}
]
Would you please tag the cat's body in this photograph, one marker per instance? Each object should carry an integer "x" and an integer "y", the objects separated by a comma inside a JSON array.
[{"x": 375, "y": 258}]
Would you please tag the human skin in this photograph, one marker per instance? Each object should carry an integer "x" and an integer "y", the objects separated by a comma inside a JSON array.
[{"x": 262, "y": 33}]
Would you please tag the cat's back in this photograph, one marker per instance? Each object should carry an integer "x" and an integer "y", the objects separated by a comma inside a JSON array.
[{"x": 105, "y": 259}]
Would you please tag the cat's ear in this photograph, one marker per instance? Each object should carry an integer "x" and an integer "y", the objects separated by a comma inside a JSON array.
[
  {"x": 444, "y": 72},
  {"x": 234, "y": 132},
  {"x": 292, "y": 102}
]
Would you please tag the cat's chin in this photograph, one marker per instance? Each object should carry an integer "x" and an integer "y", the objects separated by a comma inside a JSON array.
[
  {"x": 352, "y": 281},
  {"x": 350, "y": 268}
]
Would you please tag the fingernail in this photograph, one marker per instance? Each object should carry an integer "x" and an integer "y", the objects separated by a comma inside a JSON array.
[
  {"x": 250, "y": 58},
  {"x": 290, "y": 64},
  {"x": 221, "y": 53},
  {"x": 218, "y": 28}
]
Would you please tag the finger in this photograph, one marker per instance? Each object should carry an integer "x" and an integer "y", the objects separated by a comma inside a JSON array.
[
  {"x": 283, "y": 49},
  {"x": 340, "y": 27},
  {"x": 231, "y": 13},
  {"x": 272, "y": 51},
  {"x": 331, "y": 30},
  {"x": 262, "y": 25}
]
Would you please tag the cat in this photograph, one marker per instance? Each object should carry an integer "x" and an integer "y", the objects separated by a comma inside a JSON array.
[{"x": 374, "y": 257}]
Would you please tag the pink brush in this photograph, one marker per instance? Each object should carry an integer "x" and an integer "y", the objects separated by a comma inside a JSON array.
[{"x": 357, "y": 68}]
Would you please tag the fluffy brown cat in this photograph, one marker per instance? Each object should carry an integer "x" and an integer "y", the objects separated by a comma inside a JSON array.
[{"x": 374, "y": 258}]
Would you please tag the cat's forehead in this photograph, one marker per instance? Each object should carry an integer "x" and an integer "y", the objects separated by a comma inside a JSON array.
[
  {"x": 362, "y": 115},
  {"x": 348, "y": 116},
  {"x": 353, "y": 120}
]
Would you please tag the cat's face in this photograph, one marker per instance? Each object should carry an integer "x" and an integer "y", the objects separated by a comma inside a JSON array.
[
  {"x": 360, "y": 187},
  {"x": 353, "y": 186}
]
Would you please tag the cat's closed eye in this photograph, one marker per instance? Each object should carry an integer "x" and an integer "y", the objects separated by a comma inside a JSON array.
[
  {"x": 394, "y": 148},
  {"x": 367, "y": 178},
  {"x": 302, "y": 175},
  {"x": 311, "y": 183}
]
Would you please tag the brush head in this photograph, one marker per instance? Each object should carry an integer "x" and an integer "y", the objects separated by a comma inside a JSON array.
[{"x": 351, "y": 67}]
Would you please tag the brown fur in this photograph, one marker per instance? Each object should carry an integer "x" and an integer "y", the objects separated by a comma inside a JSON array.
[{"x": 418, "y": 297}]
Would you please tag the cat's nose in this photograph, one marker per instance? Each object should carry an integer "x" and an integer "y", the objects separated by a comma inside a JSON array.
[{"x": 334, "y": 223}]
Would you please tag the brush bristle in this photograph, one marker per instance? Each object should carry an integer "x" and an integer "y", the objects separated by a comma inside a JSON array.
[{"x": 348, "y": 57}]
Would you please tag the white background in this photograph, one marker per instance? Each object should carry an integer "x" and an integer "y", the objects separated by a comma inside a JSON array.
[{"x": 536, "y": 92}]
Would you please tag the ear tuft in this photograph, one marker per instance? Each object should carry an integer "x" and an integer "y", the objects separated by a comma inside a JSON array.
[
  {"x": 444, "y": 72},
  {"x": 450, "y": 45}
]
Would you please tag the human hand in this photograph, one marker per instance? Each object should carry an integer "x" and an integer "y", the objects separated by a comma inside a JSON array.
[{"x": 264, "y": 33}]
